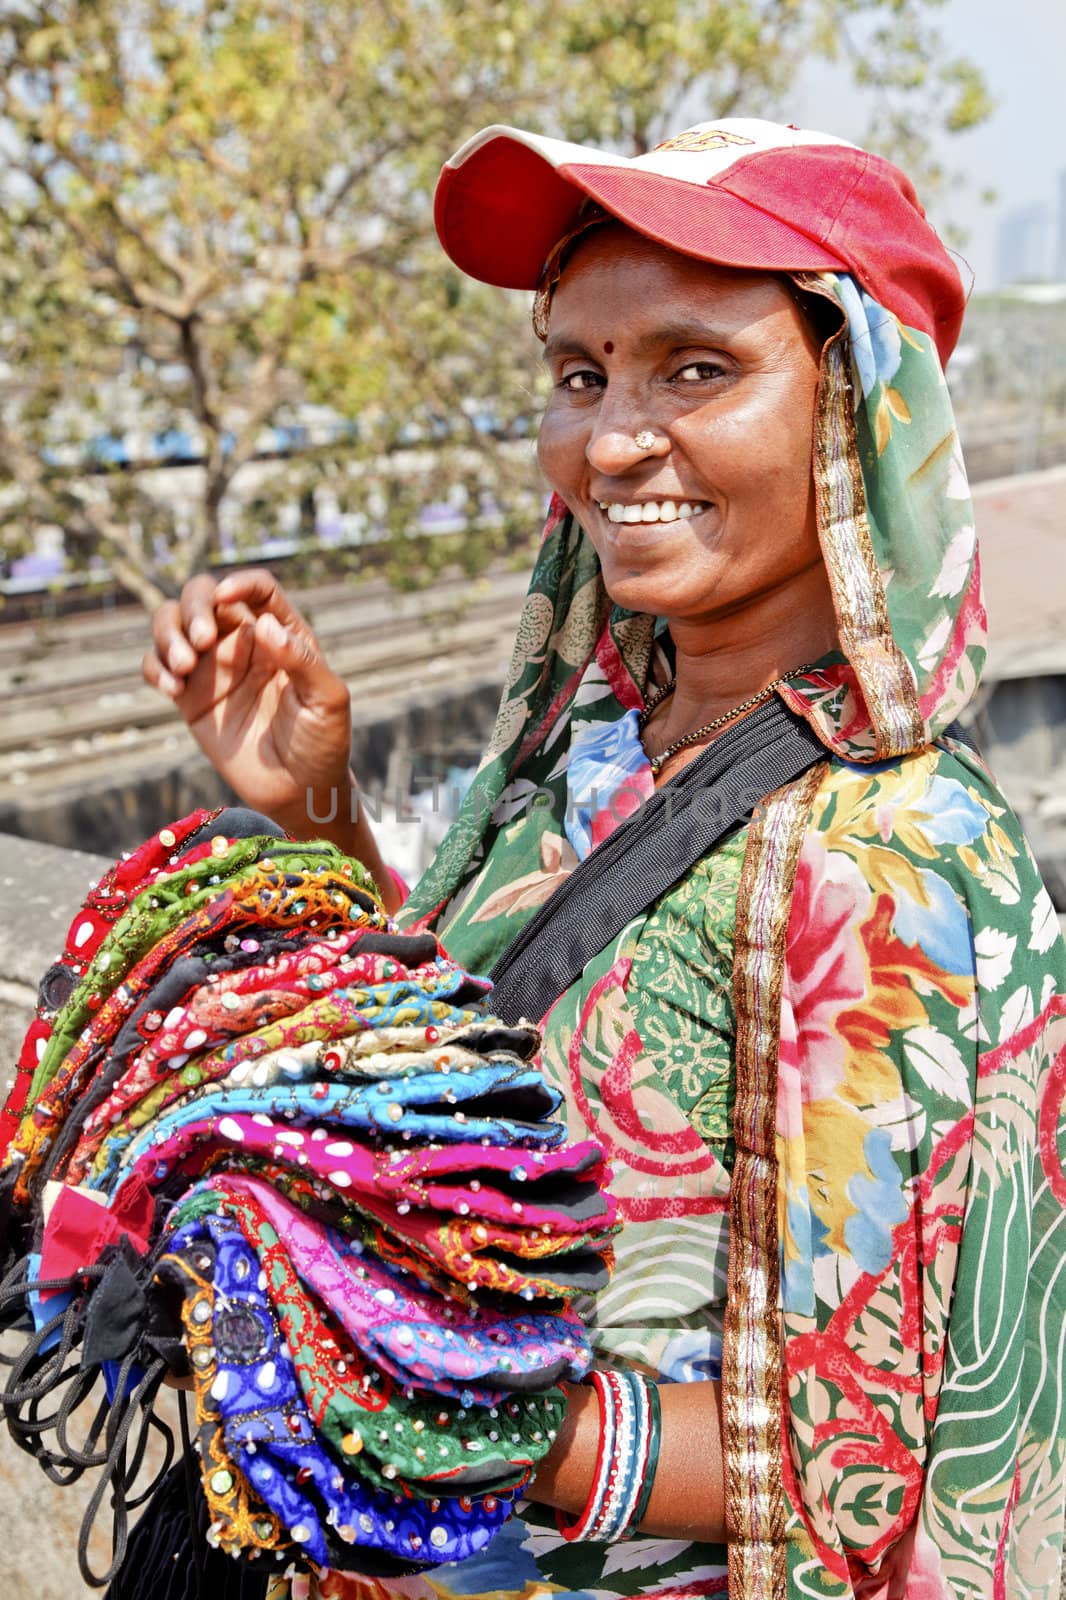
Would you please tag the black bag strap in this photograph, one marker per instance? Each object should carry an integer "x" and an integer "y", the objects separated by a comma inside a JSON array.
[
  {"x": 964, "y": 735},
  {"x": 647, "y": 855}
]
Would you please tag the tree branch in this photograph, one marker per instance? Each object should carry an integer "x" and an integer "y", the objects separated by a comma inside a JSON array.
[{"x": 108, "y": 200}]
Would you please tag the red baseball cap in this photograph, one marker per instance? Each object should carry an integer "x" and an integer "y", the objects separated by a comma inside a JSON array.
[{"x": 740, "y": 192}]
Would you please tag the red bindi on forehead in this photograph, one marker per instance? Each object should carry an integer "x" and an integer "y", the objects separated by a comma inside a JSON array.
[{"x": 608, "y": 348}]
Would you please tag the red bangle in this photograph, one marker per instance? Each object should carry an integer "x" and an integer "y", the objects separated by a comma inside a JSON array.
[
  {"x": 585, "y": 1524},
  {"x": 626, "y": 1459}
]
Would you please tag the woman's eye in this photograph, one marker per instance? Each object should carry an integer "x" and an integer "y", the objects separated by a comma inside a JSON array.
[
  {"x": 575, "y": 382},
  {"x": 700, "y": 371}
]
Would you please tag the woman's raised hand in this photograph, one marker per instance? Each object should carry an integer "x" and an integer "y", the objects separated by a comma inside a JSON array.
[{"x": 248, "y": 676}]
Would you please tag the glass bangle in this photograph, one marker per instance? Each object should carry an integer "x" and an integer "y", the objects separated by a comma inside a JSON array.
[{"x": 655, "y": 1439}]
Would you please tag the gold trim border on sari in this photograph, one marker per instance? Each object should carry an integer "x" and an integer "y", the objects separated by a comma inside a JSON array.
[
  {"x": 752, "y": 1356},
  {"x": 884, "y": 674}
]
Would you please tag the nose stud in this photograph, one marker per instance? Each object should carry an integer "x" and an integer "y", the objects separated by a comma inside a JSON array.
[{"x": 644, "y": 439}]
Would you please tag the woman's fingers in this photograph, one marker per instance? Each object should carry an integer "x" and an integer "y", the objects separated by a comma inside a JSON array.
[
  {"x": 176, "y": 655},
  {"x": 257, "y": 589},
  {"x": 155, "y": 674},
  {"x": 215, "y": 634},
  {"x": 295, "y": 650},
  {"x": 219, "y": 677},
  {"x": 196, "y": 611},
  {"x": 184, "y": 630}
]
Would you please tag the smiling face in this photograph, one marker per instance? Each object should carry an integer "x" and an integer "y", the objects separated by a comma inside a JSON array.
[{"x": 717, "y": 514}]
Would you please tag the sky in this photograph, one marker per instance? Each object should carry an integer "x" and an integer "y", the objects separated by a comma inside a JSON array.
[{"x": 1020, "y": 46}]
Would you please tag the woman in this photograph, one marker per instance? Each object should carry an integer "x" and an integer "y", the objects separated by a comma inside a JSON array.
[{"x": 828, "y": 1063}]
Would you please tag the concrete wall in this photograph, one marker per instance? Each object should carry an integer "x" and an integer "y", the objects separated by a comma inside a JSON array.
[
  {"x": 40, "y": 889},
  {"x": 1020, "y": 725}
]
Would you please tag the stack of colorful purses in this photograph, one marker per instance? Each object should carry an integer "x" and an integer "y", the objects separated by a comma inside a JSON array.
[{"x": 262, "y": 1140}]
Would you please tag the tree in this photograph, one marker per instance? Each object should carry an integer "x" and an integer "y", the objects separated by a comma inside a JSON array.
[{"x": 217, "y": 246}]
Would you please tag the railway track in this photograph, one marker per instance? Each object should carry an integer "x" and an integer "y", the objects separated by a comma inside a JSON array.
[
  {"x": 90, "y": 655},
  {"x": 81, "y": 714}
]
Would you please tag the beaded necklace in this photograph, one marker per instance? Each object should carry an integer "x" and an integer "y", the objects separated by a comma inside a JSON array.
[{"x": 658, "y": 762}]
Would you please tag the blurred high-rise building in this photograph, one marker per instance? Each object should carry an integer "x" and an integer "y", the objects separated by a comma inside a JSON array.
[
  {"x": 1023, "y": 235},
  {"x": 1060, "y": 232}
]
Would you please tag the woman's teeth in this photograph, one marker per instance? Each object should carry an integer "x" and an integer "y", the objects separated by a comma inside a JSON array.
[{"x": 651, "y": 510}]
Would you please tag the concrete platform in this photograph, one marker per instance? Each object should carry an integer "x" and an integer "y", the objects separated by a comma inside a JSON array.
[{"x": 40, "y": 889}]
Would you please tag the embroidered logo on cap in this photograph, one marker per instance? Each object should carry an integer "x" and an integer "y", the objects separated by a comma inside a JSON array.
[{"x": 703, "y": 139}]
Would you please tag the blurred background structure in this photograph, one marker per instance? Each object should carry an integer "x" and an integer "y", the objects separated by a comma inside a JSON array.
[
  {"x": 229, "y": 329},
  {"x": 228, "y": 335}
]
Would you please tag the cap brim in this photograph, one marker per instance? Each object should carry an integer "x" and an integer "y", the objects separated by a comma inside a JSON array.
[{"x": 507, "y": 197}]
